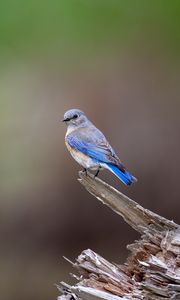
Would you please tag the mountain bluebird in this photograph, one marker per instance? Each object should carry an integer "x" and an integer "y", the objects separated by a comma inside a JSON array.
[{"x": 89, "y": 147}]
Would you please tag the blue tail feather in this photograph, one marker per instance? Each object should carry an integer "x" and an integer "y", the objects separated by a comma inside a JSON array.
[{"x": 125, "y": 177}]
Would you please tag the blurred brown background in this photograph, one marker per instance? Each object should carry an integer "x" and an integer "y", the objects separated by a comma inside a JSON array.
[{"x": 119, "y": 62}]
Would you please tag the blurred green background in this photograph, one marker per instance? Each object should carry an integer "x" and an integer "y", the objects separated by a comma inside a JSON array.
[{"x": 119, "y": 62}]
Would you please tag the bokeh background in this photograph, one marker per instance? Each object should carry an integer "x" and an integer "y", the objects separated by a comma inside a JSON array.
[{"x": 119, "y": 62}]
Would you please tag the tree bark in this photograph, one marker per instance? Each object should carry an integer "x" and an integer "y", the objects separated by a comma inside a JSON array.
[{"x": 152, "y": 270}]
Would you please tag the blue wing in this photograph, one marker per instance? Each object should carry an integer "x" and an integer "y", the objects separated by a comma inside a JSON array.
[
  {"x": 88, "y": 149},
  {"x": 94, "y": 144}
]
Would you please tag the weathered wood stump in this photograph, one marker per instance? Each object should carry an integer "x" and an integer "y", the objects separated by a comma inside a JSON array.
[{"x": 152, "y": 270}]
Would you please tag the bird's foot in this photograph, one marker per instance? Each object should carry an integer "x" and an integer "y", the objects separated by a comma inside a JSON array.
[
  {"x": 96, "y": 174},
  {"x": 85, "y": 171}
]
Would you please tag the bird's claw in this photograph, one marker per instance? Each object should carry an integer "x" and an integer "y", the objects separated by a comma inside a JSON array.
[{"x": 85, "y": 171}]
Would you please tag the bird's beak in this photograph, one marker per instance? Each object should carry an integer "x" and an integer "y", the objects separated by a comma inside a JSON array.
[{"x": 66, "y": 120}]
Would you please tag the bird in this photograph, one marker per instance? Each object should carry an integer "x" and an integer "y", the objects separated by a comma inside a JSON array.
[{"x": 89, "y": 147}]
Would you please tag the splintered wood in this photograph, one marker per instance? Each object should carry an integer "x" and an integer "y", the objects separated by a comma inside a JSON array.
[{"x": 152, "y": 270}]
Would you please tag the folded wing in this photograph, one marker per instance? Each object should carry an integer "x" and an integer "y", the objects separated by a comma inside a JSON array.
[{"x": 94, "y": 144}]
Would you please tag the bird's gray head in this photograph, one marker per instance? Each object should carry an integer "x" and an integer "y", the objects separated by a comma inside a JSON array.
[{"x": 74, "y": 117}]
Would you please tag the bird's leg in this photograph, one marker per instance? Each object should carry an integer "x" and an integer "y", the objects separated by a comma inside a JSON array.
[
  {"x": 96, "y": 174},
  {"x": 85, "y": 171}
]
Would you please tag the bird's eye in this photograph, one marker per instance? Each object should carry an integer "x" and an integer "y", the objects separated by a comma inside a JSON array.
[{"x": 75, "y": 116}]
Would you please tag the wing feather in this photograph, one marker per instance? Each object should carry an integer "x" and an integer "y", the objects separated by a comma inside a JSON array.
[{"x": 94, "y": 144}]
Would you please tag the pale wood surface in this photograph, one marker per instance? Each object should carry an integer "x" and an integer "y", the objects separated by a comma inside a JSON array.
[{"x": 152, "y": 271}]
